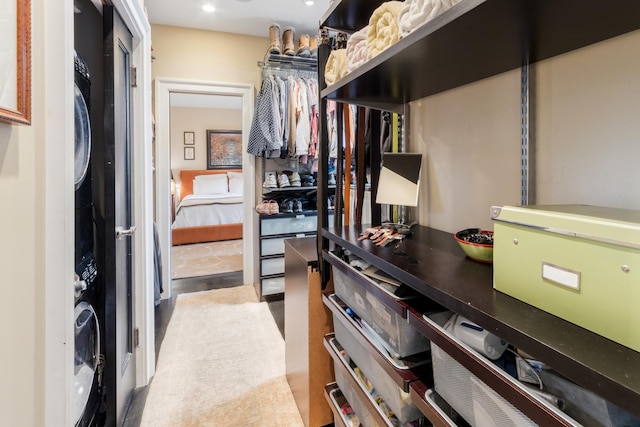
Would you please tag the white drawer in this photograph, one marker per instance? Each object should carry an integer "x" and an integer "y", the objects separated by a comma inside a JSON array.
[
  {"x": 288, "y": 225},
  {"x": 272, "y": 266},
  {"x": 275, "y": 246},
  {"x": 272, "y": 286}
]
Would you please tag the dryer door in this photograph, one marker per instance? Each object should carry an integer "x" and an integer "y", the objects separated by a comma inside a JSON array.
[
  {"x": 82, "y": 136},
  {"x": 87, "y": 356}
]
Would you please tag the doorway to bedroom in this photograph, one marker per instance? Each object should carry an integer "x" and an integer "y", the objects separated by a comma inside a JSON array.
[{"x": 206, "y": 184}]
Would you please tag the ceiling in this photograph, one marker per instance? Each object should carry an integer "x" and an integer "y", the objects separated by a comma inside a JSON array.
[{"x": 250, "y": 17}]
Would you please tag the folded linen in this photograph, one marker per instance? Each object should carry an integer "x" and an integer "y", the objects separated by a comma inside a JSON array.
[
  {"x": 357, "y": 51},
  {"x": 415, "y": 13},
  {"x": 383, "y": 27},
  {"x": 336, "y": 67}
]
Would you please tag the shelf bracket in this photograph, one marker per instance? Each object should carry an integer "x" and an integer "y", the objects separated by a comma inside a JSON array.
[{"x": 527, "y": 146}]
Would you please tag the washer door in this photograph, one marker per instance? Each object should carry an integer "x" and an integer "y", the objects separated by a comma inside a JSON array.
[
  {"x": 82, "y": 136},
  {"x": 87, "y": 354}
]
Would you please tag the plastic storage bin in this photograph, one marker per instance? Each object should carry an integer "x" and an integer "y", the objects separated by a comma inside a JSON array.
[
  {"x": 476, "y": 402},
  {"x": 356, "y": 404},
  {"x": 397, "y": 399},
  {"x": 402, "y": 339}
]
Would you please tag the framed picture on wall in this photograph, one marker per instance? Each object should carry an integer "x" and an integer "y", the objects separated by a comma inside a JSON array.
[
  {"x": 189, "y": 153},
  {"x": 15, "y": 61},
  {"x": 224, "y": 149},
  {"x": 189, "y": 138}
]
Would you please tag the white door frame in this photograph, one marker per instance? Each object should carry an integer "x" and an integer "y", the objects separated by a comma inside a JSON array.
[
  {"x": 57, "y": 130},
  {"x": 163, "y": 88}
]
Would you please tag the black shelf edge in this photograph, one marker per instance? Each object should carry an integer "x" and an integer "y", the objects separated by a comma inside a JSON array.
[
  {"x": 287, "y": 189},
  {"x": 289, "y": 214},
  {"x": 474, "y": 40},
  {"x": 348, "y": 16},
  {"x": 432, "y": 263}
]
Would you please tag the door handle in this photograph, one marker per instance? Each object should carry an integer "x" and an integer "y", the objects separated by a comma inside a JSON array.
[{"x": 121, "y": 232}]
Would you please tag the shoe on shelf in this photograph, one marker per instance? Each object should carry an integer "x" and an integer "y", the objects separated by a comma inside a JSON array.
[
  {"x": 286, "y": 206},
  {"x": 263, "y": 208},
  {"x": 297, "y": 205},
  {"x": 273, "y": 207},
  {"x": 331, "y": 202},
  {"x": 283, "y": 180},
  {"x": 332, "y": 179},
  {"x": 274, "y": 34},
  {"x": 303, "y": 46},
  {"x": 307, "y": 181},
  {"x": 288, "y": 37},
  {"x": 270, "y": 180},
  {"x": 294, "y": 179}
]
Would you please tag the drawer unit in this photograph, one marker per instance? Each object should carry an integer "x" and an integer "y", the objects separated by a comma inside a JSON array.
[
  {"x": 478, "y": 404},
  {"x": 380, "y": 309},
  {"x": 271, "y": 266},
  {"x": 368, "y": 411},
  {"x": 337, "y": 402},
  {"x": 272, "y": 286},
  {"x": 274, "y": 230},
  {"x": 275, "y": 225},
  {"x": 396, "y": 398}
]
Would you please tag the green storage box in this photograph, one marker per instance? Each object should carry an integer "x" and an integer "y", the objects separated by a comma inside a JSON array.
[{"x": 580, "y": 263}]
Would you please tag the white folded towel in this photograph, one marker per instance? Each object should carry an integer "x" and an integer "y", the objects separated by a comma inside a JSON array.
[
  {"x": 357, "y": 51},
  {"x": 415, "y": 13},
  {"x": 383, "y": 27},
  {"x": 336, "y": 67}
]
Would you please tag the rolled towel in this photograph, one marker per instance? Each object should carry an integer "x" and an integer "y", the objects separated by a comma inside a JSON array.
[
  {"x": 415, "y": 13},
  {"x": 357, "y": 51},
  {"x": 336, "y": 66},
  {"x": 383, "y": 27}
]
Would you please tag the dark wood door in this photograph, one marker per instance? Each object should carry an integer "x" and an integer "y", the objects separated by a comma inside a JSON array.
[{"x": 119, "y": 229}]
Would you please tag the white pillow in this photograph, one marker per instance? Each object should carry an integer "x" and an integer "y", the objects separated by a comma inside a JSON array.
[
  {"x": 210, "y": 184},
  {"x": 235, "y": 182}
]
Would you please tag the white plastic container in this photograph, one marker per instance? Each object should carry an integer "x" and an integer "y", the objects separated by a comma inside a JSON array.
[
  {"x": 402, "y": 339},
  {"x": 397, "y": 399}
]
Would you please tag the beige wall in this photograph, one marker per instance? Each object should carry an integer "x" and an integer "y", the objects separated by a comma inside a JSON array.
[
  {"x": 207, "y": 55},
  {"x": 586, "y": 130},
  {"x": 22, "y": 189},
  {"x": 198, "y": 120}
]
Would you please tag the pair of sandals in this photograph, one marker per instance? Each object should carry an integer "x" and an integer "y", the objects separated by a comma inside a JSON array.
[
  {"x": 268, "y": 207},
  {"x": 381, "y": 236}
]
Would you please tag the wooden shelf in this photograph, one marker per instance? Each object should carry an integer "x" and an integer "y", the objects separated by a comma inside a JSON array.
[
  {"x": 432, "y": 263},
  {"x": 473, "y": 40}
]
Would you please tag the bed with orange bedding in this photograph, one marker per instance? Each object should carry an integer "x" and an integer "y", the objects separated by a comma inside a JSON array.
[{"x": 206, "y": 212}]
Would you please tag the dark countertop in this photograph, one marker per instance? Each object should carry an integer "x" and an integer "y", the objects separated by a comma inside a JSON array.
[{"x": 305, "y": 247}]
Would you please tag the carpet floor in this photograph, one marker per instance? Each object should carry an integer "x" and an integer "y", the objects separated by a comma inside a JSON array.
[
  {"x": 221, "y": 364},
  {"x": 205, "y": 259}
]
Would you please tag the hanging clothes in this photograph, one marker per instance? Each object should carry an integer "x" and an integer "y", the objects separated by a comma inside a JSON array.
[{"x": 264, "y": 133}]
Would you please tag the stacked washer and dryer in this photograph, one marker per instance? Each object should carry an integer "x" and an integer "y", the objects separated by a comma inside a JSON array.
[{"x": 87, "y": 355}]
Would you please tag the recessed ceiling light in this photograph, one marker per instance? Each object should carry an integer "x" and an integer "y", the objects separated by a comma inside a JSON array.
[
  {"x": 208, "y": 8},
  {"x": 308, "y": 2}
]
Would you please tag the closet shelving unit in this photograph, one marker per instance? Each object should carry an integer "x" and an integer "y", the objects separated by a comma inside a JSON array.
[
  {"x": 474, "y": 40},
  {"x": 274, "y": 229}
]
